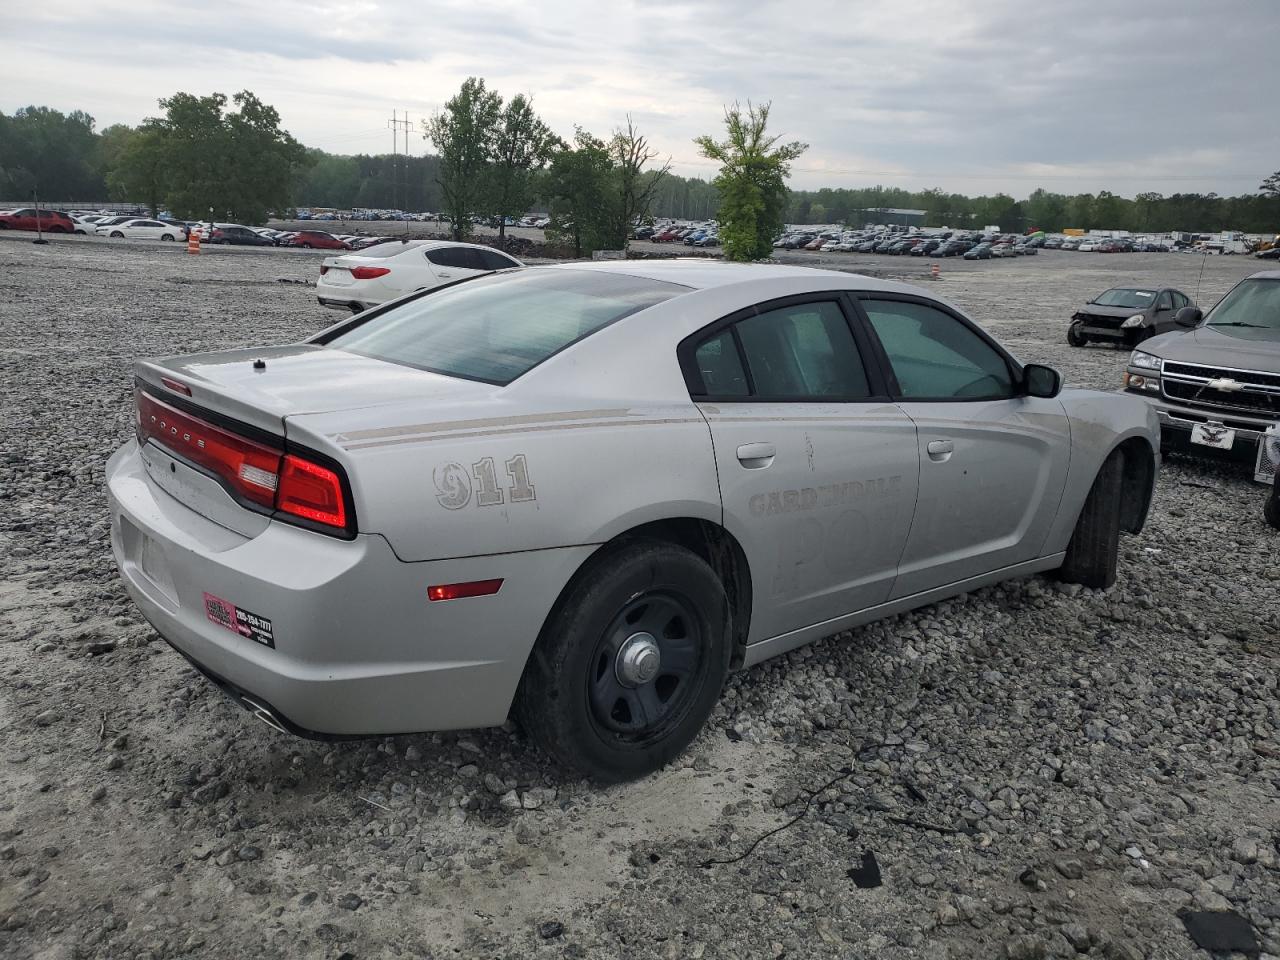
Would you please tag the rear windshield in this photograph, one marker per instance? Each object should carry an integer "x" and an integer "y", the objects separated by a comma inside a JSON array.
[
  {"x": 1122, "y": 297},
  {"x": 496, "y": 327}
]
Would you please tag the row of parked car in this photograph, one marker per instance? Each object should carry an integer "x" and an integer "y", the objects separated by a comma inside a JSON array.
[
  {"x": 132, "y": 227},
  {"x": 703, "y": 236}
]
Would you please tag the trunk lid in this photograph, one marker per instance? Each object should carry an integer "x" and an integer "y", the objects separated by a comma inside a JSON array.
[
  {"x": 296, "y": 379},
  {"x": 240, "y": 412}
]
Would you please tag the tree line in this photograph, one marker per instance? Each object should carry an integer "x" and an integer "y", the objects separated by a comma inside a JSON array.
[
  {"x": 231, "y": 155},
  {"x": 1146, "y": 213}
]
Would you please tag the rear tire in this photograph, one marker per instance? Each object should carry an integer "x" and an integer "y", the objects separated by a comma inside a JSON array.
[
  {"x": 1076, "y": 335},
  {"x": 166, "y": 236},
  {"x": 575, "y": 699},
  {"x": 1095, "y": 542}
]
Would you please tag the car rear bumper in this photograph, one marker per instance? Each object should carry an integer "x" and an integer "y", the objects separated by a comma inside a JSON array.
[{"x": 356, "y": 649}]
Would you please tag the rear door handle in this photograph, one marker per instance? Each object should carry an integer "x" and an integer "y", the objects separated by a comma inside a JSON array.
[
  {"x": 753, "y": 456},
  {"x": 940, "y": 450}
]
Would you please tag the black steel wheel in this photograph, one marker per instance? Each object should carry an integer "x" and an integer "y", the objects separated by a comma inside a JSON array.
[
  {"x": 1076, "y": 335},
  {"x": 644, "y": 667},
  {"x": 630, "y": 663}
]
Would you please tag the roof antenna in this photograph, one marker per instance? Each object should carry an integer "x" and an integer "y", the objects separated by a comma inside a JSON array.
[{"x": 1203, "y": 261}]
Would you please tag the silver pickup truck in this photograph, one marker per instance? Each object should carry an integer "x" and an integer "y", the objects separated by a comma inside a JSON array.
[{"x": 1215, "y": 383}]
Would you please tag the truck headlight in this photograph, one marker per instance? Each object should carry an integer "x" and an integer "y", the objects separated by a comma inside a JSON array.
[
  {"x": 1134, "y": 321},
  {"x": 1144, "y": 361}
]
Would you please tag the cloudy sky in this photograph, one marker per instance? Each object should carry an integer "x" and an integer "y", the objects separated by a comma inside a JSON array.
[{"x": 1167, "y": 95}]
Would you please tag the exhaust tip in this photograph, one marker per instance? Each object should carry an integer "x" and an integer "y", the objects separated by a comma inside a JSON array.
[{"x": 263, "y": 713}]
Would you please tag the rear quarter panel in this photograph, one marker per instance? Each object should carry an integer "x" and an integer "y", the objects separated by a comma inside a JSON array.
[{"x": 497, "y": 478}]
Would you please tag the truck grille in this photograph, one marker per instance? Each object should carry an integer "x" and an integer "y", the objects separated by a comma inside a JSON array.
[{"x": 1188, "y": 383}]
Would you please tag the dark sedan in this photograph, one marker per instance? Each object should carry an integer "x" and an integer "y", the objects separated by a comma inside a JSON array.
[
  {"x": 1126, "y": 315},
  {"x": 981, "y": 252}
]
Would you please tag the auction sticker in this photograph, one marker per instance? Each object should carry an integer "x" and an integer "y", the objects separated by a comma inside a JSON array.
[{"x": 238, "y": 620}]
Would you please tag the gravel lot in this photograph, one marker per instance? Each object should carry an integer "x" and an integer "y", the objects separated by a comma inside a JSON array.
[{"x": 1029, "y": 771}]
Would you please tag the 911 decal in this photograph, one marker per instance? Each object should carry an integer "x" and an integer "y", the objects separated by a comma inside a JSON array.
[{"x": 454, "y": 486}]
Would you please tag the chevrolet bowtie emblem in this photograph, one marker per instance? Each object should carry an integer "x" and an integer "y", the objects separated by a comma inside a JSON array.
[{"x": 1225, "y": 384}]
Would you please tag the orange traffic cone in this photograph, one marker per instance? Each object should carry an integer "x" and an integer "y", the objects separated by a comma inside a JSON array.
[
  {"x": 193, "y": 241},
  {"x": 934, "y": 271}
]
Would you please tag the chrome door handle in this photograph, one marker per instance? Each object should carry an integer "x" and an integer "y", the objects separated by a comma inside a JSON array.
[
  {"x": 940, "y": 450},
  {"x": 753, "y": 456}
]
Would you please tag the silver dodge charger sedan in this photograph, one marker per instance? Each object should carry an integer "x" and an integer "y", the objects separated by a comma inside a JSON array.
[{"x": 584, "y": 493}]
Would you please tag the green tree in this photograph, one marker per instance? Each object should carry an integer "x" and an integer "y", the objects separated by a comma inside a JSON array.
[
  {"x": 138, "y": 169},
  {"x": 752, "y": 182},
  {"x": 636, "y": 187},
  {"x": 1271, "y": 186},
  {"x": 522, "y": 145},
  {"x": 464, "y": 134},
  {"x": 261, "y": 160},
  {"x": 580, "y": 186},
  {"x": 203, "y": 161},
  {"x": 52, "y": 151}
]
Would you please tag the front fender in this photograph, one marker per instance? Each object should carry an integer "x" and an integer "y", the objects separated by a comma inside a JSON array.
[{"x": 1100, "y": 424}]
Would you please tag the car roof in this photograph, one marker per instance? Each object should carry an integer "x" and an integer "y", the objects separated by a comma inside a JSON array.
[
  {"x": 702, "y": 274},
  {"x": 1264, "y": 275}
]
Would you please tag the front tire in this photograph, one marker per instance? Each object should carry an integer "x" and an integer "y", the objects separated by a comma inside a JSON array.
[
  {"x": 1076, "y": 335},
  {"x": 630, "y": 663},
  {"x": 1271, "y": 509},
  {"x": 116, "y": 234},
  {"x": 167, "y": 236},
  {"x": 1095, "y": 543}
]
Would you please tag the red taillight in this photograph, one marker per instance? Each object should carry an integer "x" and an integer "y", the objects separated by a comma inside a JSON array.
[
  {"x": 311, "y": 491},
  {"x": 457, "y": 591},
  {"x": 369, "y": 273},
  {"x": 323, "y": 269},
  {"x": 258, "y": 475},
  {"x": 248, "y": 468}
]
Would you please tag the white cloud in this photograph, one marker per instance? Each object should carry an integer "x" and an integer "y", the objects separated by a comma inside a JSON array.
[{"x": 968, "y": 97}]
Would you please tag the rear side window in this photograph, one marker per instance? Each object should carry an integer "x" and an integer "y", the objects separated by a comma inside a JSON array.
[
  {"x": 799, "y": 352},
  {"x": 453, "y": 257},
  {"x": 720, "y": 366},
  {"x": 935, "y": 356},
  {"x": 493, "y": 260},
  {"x": 495, "y": 328}
]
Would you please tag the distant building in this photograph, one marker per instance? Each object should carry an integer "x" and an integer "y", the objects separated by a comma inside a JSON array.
[{"x": 888, "y": 215}]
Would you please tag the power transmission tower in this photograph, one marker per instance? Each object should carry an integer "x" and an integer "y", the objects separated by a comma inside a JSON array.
[{"x": 396, "y": 125}]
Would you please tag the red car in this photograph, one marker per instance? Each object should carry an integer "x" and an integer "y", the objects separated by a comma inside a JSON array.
[
  {"x": 51, "y": 221},
  {"x": 316, "y": 240},
  {"x": 663, "y": 236}
]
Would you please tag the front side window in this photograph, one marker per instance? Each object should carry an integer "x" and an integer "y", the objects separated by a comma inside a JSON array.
[
  {"x": 935, "y": 356},
  {"x": 495, "y": 328}
]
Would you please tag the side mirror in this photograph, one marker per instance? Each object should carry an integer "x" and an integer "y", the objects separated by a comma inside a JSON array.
[
  {"x": 1188, "y": 317},
  {"x": 1041, "y": 381}
]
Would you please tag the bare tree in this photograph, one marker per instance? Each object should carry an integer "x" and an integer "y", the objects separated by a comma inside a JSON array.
[{"x": 637, "y": 187}]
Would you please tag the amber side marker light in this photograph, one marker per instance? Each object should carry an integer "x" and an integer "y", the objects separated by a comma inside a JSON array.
[{"x": 457, "y": 591}]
